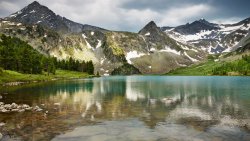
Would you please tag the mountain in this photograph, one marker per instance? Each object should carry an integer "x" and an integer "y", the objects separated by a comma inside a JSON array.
[
  {"x": 153, "y": 50},
  {"x": 150, "y": 51},
  {"x": 155, "y": 37},
  {"x": 210, "y": 37},
  {"x": 150, "y": 27},
  {"x": 35, "y": 13},
  {"x": 196, "y": 27},
  {"x": 243, "y": 45}
]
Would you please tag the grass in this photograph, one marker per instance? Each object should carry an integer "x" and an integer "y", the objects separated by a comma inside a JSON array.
[
  {"x": 13, "y": 76},
  {"x": 196, "y": 70}
]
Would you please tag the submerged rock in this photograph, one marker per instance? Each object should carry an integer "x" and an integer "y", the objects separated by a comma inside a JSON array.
[
  {"x": 2, "y": 124},
  {"x": 57, "y": 104}
]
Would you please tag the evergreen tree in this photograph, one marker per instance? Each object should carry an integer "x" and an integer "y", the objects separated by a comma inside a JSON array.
[{"x": 20, "y": 56}]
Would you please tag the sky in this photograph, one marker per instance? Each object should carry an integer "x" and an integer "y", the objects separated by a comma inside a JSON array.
[{"x": 132, "y": 15}]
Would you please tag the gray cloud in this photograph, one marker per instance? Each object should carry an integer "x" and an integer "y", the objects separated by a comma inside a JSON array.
[{"x": 132, "y": 15}]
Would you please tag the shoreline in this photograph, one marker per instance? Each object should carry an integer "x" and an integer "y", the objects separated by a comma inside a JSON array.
[
  {"x": 20, "y": 83},
  {"x": 12, "y": 78}
]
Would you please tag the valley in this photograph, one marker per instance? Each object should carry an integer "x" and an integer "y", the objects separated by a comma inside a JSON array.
[{"x": 153, "y": 50}]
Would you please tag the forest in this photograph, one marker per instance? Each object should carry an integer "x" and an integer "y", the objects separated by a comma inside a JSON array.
[
  {"x": 241, "y": 67},
  {"x": 19, "y": 56}
]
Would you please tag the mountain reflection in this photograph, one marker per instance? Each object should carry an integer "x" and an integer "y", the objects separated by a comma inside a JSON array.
[
  {"x": 152, "y": 100},
  {"x": 196, "y": 101}
]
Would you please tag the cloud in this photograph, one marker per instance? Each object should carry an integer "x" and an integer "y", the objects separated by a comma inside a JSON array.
[
  {"x": 132, "y": 15},
  {"x": 6, "y": 7},
  {"x": 179, "y": 15}
]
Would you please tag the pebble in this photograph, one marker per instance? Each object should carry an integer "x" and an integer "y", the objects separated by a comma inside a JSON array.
[
  {"x": 1, "y": 136},
  {"x": 17, "y": 108},
  {"x": 37, "y": 109},
  {"x": 1, "y": 97},
  {"x": 2, "y": 124},
  {"x": 22, "y": 110}
]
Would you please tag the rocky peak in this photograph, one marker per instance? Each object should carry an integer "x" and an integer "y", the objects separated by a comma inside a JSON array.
[
  {"x": 203, "y": 21},
  {"x": 150, "y": 28},
  {"x": 196, "y": 27},
  {"x": 34, "y": 3},
  {"x": 151, "y": 24},
  {"x": 245, "y": 22},
  {"x": 35, "y": 13}
]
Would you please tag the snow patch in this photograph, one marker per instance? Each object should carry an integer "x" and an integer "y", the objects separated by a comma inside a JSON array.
[
  {"x": 88, "y": 45},
  {"x": 13, "y": 15},
  {"x": 182, "y": 65},
  {"x": 167, "y": 30},
  {"x": 133, "y": 54},
  {"x": 102, "y": 60},
  {"x": 194, "y": 50},
  {"x": 168, "y": 49},
  {"x": 184, "y": 47},
  {"x": 192, "y": 59},
  {"x": 198, "y": 36},
  {"x": 33, "y": 11},
  {"x": 147, "y": 34},
  {"x": 152, "y": 49},
  {"x": 84, "y": 36},
  {"x": 92, "y": 33},
  {"x": 227, "y": 50},
  {"x": 99, "y": 44},
  {"x": 230, "y": 28},
  {"x": 24, "y": 15}
]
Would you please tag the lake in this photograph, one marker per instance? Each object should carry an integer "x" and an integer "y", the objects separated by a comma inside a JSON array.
[{"x": 130, "y": 108}]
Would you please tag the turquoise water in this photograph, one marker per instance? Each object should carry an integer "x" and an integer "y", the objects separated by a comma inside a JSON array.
[{"x": 131, "y": 108}]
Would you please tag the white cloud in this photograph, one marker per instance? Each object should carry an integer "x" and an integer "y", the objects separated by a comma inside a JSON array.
[
  {"x": 111, "y": 14},
  {"x": 6, "y": 7},
  {"x": 179, "y": 15}
]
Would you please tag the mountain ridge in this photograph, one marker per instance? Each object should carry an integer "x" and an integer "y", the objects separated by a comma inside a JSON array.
[
  {"x": 153, "y": 50},
  {"x": 35, "y": 13}
]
